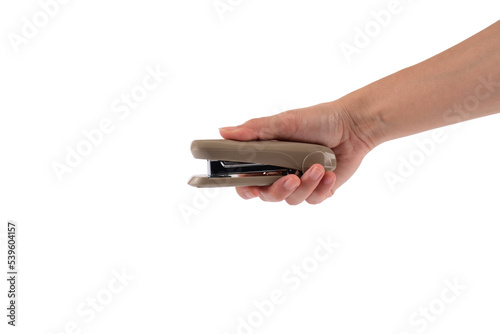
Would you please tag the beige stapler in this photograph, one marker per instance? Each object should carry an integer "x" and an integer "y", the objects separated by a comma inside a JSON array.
[{"x": 256, "y": 163}]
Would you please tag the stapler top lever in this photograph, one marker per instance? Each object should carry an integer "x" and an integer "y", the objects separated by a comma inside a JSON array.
[{"x": 256, "y": 163}]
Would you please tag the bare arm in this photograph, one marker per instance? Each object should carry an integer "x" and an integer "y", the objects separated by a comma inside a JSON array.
[{"x": 458, "y": 84}]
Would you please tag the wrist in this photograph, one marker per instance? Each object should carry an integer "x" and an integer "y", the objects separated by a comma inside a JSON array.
[{"x": 365, "y": 117}]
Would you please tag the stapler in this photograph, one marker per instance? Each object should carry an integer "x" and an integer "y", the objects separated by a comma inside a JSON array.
[{"x": 256, "y": 163}]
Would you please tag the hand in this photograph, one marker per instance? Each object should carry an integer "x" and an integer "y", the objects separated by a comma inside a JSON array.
[{"x": 328, "y": 124}]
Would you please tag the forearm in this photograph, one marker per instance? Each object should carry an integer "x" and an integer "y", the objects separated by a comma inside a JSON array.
[{"x": 458, "y": 84}]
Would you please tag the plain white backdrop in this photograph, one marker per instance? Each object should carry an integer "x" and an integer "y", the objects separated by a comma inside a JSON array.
[{"x": 192, "y": 261}]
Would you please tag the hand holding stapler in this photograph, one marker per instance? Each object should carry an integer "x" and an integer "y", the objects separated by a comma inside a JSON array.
[{"x": 256, "y": 163}]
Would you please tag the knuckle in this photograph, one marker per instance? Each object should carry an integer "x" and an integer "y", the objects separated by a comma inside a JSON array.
[
  {"x": 278, "y": 195},
  {"x": 268, "y": 196},
  {"x": 251, "y": 123},
  {"x": 264, "y": 198}
]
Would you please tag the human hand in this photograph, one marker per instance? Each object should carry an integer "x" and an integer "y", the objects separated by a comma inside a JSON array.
[
  {"x": 415, "y": 99},
  {"x": 328, "y": 124}
]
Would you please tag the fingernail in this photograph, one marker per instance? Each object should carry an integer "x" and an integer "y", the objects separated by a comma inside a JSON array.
[
  {"x": 328, "y": 179},
  {"x": 291, "y": 184},
  {"x": 315, "y": 174},
  {"x": 228, "y": 128},
  {"x": 255, "y": 192}
]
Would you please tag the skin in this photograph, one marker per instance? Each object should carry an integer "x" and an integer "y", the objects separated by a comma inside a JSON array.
[{"x": 456, "y": 85}]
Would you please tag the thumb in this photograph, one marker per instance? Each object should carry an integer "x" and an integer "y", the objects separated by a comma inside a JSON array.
[{"x": 264, "y": 128}]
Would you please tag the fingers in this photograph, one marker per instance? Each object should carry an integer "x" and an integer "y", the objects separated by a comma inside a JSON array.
[
  {"x": 248, "y": 192},
  {"x": 281, "y": 189},
  {"x": 238, "y": 133},
  {"x": 276, "y": 192},
  {"x": 247, "y": 131},
  {"x": 324, "y": 190},
  {"x": 313, "y": 187},
  {"x": 280, "y": 126},
  {"x": 309, "y": 181}
]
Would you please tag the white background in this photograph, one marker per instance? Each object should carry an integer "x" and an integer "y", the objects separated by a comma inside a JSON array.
[{"x": 120, "y": 209}]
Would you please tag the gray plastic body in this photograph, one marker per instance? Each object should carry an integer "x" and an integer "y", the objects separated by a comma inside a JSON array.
[{"x": 291, "y": 155}]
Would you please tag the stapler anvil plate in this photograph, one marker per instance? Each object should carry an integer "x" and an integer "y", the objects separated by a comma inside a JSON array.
[{"x": 256, "y": 163}]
